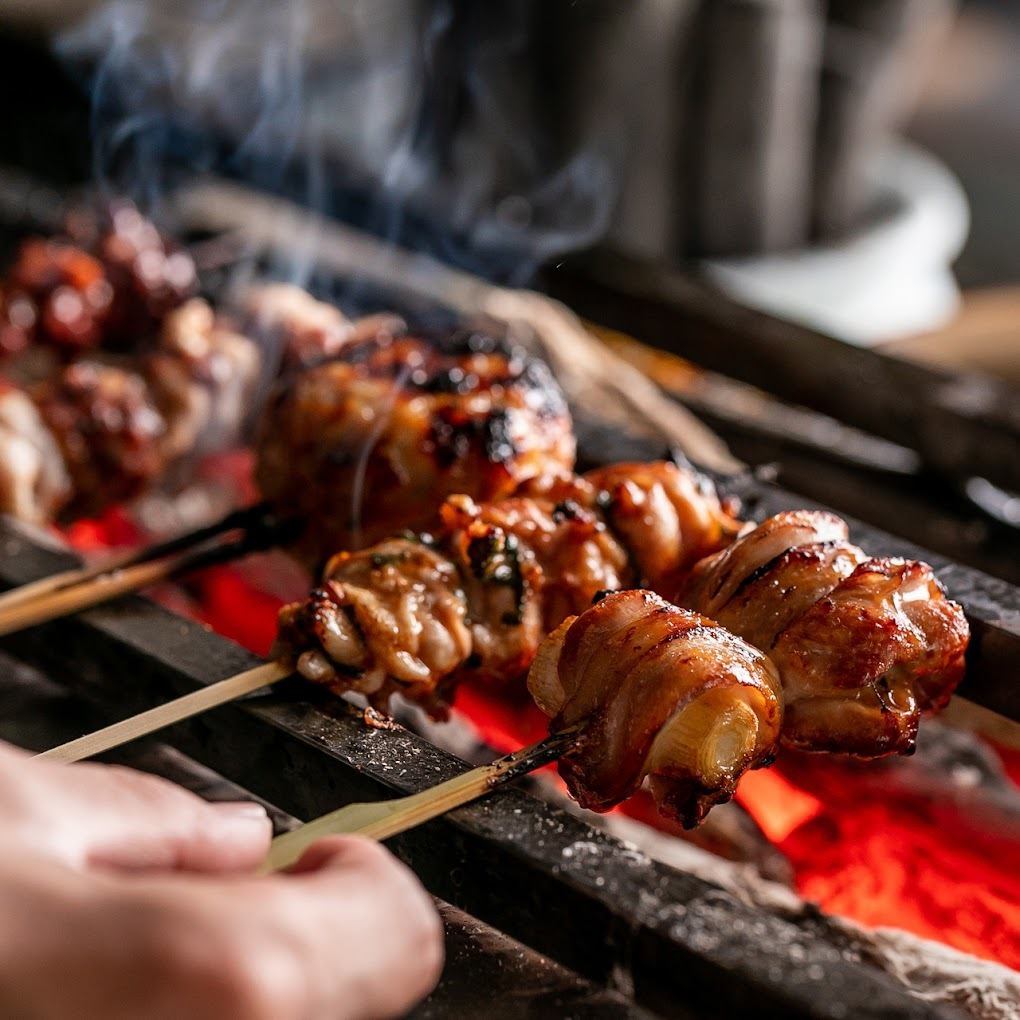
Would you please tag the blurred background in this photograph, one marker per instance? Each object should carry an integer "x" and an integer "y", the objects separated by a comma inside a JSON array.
[
  {"x": 848, "y": 165},
  {"x": 812, "y": 153}
]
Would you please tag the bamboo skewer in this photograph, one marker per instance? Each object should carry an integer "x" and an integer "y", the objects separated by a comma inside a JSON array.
[
  {"x": 102, "y": 587},
  {"x": 166, "y": 715},
  {"x": 382, "y": 819},
  {"x": 236, "y": 519}
]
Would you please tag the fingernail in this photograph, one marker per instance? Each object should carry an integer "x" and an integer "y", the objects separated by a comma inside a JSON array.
[{"x": 244, "y": 811}]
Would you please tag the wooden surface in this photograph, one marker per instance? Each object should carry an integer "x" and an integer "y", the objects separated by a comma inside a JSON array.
[{"x": 984, "y": 336}]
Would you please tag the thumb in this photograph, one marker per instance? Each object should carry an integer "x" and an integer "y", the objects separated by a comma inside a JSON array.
[{"x": 116, "y": 817}]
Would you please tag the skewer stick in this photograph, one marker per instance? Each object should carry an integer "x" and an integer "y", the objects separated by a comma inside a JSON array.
[
  {"x": 165, "y": 715},
  {"x": 383, "y": 819},
  {"x": 244, "y": 518},
  {"x": 966, "y": 715},
  {"x": 76, "y": 597}
]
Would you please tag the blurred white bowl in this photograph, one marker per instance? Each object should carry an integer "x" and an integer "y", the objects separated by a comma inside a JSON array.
[{"x": 892, "y": 279}]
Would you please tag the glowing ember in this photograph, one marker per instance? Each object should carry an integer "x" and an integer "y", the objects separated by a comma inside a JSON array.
[{"x": 874, "y": 852}]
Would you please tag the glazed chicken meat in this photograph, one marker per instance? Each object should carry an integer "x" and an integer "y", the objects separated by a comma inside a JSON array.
[
  {"x": 863, "y": 645},
  {"x": 384, "y": 434},
  {"x": 100, "y": 431},
  {"x": 109, "y": 283},
  {"x": 476, "y": 598}
]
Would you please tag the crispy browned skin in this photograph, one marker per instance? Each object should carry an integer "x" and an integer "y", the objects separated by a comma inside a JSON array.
[
  {"x": 863, "y": 645},
  {"x": 384, "y": 435},
  {"x": 391, "y": 618},
  {"x": 656, "y": 693},
  {"x": 516, "y": 567}
]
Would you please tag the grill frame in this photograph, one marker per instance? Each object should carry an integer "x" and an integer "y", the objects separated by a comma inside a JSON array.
[{"x": 601, "y": 910}]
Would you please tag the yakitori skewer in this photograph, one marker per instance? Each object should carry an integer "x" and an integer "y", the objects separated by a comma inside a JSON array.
[
  {"x": 383, "y": 819},
  {"x": 474, "y": 600},
  {"x": 399, "y": 426}
]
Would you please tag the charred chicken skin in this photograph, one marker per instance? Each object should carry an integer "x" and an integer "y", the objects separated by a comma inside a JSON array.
[
  {"x": 863, "y": 645},
  {"x": 476, "y": 599},
  {"x": 656, "y": 694},
  {"x": 399, "y": 426}
]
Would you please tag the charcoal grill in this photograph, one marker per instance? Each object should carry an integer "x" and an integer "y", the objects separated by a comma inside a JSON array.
[{"x": 537, "y": 898}]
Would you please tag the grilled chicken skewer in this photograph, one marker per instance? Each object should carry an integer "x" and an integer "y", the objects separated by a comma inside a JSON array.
[
  {"x": 474, "y": 600},
  {"x": 863, "y": 645},
  {"x": 656, "y": 693},
  {"x": 411, "y": 599},
  {"x": 96, "y": 433},
  {"x": 679, "y": 702},
  {"x": 398, "y": 421}
]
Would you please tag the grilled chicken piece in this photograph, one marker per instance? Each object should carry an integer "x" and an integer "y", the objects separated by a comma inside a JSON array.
[
  {"x": 34, "y": 483},
  {"x": 108, "y": 430},
  {"x": 384, "y": 435},
  {"x": 111, "y": 287},
  {"x": 658, "y": 694},
  {"x": 863, "y": 645},
  {"x": 667, "y": 517},
  {"x": 525, "y": 564},
  {"x": 391, "y": 618},
  {"x": 55, "y": 294},
  {"x": 515, "y": 567},
  {"x": 203, "y": 378},
  {"x": 149, "y": 274}
]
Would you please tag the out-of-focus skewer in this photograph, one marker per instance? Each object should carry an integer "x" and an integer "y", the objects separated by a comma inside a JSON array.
[
  {"x": 166, "y": 715},
  {"x": 71, "y": 592},
  {"x": 964, "y": 714},
  {"x": 383, "y": 819},
  {"x": 243, "y": 518}
]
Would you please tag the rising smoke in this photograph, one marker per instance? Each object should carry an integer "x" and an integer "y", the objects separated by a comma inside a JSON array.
[{"x": 431, "y": 122}]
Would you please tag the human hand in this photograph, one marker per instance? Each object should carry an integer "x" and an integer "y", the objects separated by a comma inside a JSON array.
[{"x": 122, "y": 895}]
